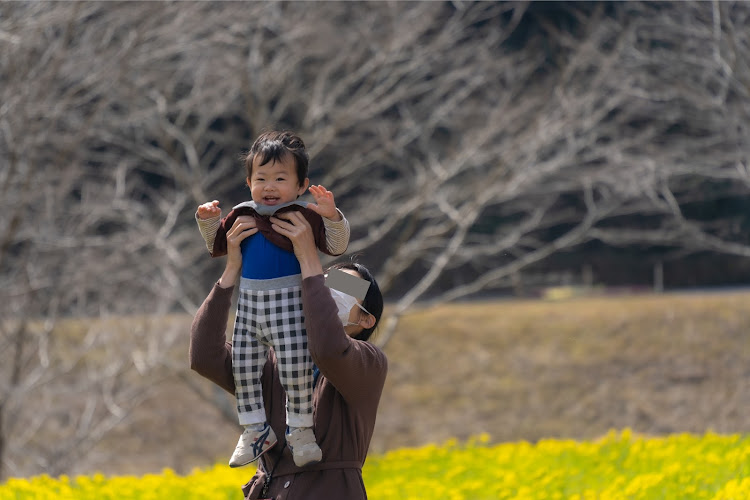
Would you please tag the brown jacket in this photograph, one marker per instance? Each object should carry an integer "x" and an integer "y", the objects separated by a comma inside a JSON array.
[
  {"x": 345, "y": 398},
  {"x": 264, "y": 227}
]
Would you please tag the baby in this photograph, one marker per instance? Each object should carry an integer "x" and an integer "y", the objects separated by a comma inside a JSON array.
[{"x": 269, "y": 309}]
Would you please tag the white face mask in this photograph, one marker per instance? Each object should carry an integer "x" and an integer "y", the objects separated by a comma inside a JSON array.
[{"x": 344, "y": 303}]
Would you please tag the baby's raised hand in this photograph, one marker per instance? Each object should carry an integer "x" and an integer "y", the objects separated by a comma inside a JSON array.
[
  {"x": 209, "y": 210},
  {"x": 324, "y": 205}
]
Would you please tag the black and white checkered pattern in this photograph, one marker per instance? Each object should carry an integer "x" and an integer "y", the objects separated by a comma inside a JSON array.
[{"x": 272, "y": 318}]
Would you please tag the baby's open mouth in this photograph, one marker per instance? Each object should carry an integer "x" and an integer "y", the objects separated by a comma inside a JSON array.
[{"x": 270, "y": 200}]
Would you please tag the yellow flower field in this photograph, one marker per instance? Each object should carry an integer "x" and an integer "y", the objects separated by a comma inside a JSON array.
[{"x": 620, "y": 466}]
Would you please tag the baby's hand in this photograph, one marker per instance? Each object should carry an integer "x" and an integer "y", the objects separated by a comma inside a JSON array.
[
  {"x": 209, "y": 210},
  {"x": 324, "y": 205}
]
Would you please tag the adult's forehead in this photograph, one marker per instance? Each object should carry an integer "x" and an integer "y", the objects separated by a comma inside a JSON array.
[{"x": 349, "y": 283}]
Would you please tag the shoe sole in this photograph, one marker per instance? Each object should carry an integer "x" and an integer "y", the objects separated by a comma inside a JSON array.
[
  {"x": 315, "y": 459},
  {"x": 234, "y": 466},
  {"x": 311, "y": 462}
]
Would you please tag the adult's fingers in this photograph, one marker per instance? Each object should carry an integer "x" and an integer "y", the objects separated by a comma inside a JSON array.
[
  {"x": 244, "y": 219},
  {"x": 243, "y": 227},
  {"x": 290, "y": 219},
  {"x": 293, "y": 225}
]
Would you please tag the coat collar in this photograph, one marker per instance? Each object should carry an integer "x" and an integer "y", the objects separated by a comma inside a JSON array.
[{"x": 261, "y": 209}]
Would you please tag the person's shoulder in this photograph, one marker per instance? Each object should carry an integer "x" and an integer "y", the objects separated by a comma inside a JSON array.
[
  {"x": 372, "y": 346},
  {"x": 377, "y": 354}
]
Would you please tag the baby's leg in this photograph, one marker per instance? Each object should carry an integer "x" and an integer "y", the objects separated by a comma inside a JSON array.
[
  {"x": 248, "y": 359},
  {"x": 294, "y": 362},
  {"x": 249, "y": 352},
  {"x": 295, "y": 373}
]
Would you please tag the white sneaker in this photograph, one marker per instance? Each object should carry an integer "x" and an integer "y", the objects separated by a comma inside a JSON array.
[
  {"x": 305, "y": 450},
  {"x": 252, "y": 444}
]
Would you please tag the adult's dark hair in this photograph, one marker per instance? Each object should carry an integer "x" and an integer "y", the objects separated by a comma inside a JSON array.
[
  {"x": 373, "y": 299},
  {"x": 273, "y": 146}
]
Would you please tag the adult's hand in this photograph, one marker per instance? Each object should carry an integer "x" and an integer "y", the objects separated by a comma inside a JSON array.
[
  {"x": 243, "y": 227},
  {"x": 294, "y": 226}
]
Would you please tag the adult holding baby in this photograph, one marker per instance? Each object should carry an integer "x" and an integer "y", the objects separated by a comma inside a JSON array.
[
  {"x": 350, "y": 371},
  {"x": 269, "y": 307}
]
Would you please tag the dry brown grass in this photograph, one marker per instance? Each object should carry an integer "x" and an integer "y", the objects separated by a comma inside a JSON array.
[
  {"x": 519, "y": 370},
  {"x": 576, "y": 368}
]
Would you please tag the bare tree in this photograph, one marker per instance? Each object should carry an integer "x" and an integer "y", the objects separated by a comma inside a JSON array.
[
  {"x": 508, "y": 157},
  {"x": 466, "y": 143},
  {"x": 88, "y": 230}
]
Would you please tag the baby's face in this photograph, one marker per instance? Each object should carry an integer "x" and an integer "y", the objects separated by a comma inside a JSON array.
[{"x": 275, "y": 182}]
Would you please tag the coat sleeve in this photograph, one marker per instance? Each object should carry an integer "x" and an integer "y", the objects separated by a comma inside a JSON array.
[
  {"x": 210, "y": 354},
  {"x": 220, "y": 240},
  {"x": 356, "y": 368},
  {"x": 208, "y": 228},
  {"x": 337, "y": 235}
]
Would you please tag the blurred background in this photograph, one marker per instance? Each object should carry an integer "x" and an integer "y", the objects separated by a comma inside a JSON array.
[{"x": 490, "y": 150}]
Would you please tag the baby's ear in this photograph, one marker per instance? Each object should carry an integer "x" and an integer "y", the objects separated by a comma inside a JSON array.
[
  {"x": 303, "y": 187},
  {"x": 249, "y": 184}
]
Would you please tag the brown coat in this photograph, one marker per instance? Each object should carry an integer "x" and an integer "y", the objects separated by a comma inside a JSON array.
[
  {"x": 345, "y": 398},
  {"x": 264, "y": 228}
]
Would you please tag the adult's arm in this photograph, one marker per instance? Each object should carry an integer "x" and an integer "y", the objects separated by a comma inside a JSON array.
[
  {"x": 354, "y": 367},
  {"x": 210, "y": 353}
]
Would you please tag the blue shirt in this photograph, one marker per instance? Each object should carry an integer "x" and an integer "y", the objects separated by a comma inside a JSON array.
[{"x": 262, "y": 260}]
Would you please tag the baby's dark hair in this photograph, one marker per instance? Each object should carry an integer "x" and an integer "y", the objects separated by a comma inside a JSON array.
[
  {"x": 273, "y": 146},
  {"x": 373, "y": 299}
]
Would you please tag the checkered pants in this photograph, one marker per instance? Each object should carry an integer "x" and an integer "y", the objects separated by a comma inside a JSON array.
[{"x": 271, "y": 318}]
